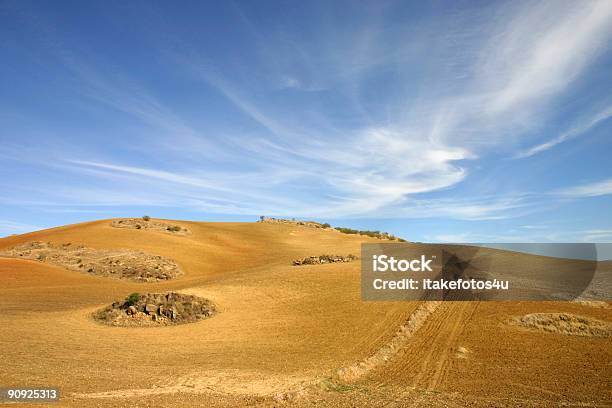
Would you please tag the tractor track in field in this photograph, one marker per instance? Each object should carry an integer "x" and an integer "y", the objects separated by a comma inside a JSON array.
[{"x": 425, "y": 361}]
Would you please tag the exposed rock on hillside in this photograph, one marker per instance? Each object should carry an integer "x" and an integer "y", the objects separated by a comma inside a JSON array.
[
  {"x": 312, "y": 224},
  {"x": 324, "y": 259},
  {"x": 122, "y": 264},
  {"x": 156, "y": 309},
  {"x": 146, "y": 223}
]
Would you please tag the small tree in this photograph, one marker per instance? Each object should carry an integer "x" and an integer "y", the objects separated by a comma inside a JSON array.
[
  {"x": 146, "y": 218},
  {"x": 325, "y": 225},
  {"x": 132, "y": 299}
]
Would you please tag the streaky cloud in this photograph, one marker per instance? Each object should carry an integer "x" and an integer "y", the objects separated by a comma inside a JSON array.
[{"x": 570, "y": 134}]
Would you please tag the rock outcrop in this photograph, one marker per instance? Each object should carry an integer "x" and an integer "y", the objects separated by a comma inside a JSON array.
[
  {"x": 122, "y": 264},
  {"x": 324, "y": 259},
  {"x": 156, "y": 309},
  {"x": 146, "y": 223},
  {"x": 311, "y": 224}
]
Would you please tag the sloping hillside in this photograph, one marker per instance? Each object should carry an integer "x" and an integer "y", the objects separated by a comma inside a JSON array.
[{"x": 281, "y": 332}]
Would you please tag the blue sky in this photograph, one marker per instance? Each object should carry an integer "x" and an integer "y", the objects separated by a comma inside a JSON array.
[{"x": 441, "y": 121}]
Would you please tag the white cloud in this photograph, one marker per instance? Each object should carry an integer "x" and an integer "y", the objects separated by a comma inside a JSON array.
[
  {"x": 544, "y": 49},
  {"x": 151, "y": 174},
  {"x": 597, "y": 235},
  {"x": 570, "y": 134},
  {"x": 290, "y": 82},
  {"x": 350, "y": 156},
  {"x": 594, "y": 189},
  {"x": 11, "y": 227},
  {"x": 373, "y": 169},
  {"x": 475, "y": 208},
  {"x": 535, "y": 227}
]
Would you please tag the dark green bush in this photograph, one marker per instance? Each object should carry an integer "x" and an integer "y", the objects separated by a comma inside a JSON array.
[
  {"x": 347, "y": 230},
  {"x": 374, "y": 234},
  {"x": 132, "y": 299},
  {"x": 146, "y": 218}
]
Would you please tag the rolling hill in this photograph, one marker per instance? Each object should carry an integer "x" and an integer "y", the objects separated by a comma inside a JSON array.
[{"x": 282, "y": 335}]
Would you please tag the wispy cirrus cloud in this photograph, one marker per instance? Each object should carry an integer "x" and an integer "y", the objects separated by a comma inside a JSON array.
[
  {"x": 543, "y": 50},
  {"x": 597, "y": 235},
  {"x": 594, "y": 189},
  {"x": 169, "y": 189},
  {"x": 370, "y": 167},
  {"x": 11, "y": 227},
  {"x": 362, "y": 118},
  {"x": 570, "y": 134}
]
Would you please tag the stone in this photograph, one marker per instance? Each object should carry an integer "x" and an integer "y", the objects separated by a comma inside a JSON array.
[
  {"x": 150, "y": 308},
  {"x": 324, "y": 259},
  {"x": 131, "y": 311},
  {"x": 170, "y": 313}
]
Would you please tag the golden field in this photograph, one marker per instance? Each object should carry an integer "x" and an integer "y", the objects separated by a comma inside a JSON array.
[{"x": 282, "y": 332}]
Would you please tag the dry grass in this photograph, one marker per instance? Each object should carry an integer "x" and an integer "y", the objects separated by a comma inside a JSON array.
[{"x": 565, "y": 323}]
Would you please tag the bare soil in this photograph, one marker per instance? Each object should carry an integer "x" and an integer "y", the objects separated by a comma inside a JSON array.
[
  {"x": 122, "y": 264},
  {"x": 156, "y": 309},
  {"x": 282, "y": 332},
  {"x": 153, "y": 225}
]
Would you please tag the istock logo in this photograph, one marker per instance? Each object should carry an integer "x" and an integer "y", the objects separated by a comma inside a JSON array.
[{"x": 384, "y": 263}]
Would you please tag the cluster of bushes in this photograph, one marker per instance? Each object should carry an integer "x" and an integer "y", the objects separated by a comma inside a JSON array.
[{"x": 374, "y": 234}]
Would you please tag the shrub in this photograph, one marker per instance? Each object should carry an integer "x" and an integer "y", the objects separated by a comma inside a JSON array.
[
  {"x": 146, "y": 218},
  {"x": 173, "y": 228},
  {"x": 373, "y": 234},
  {"x": 347, "y": 230},
  {"x": 325, "y": 225},
  {"x": 132, "y": 299}
]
